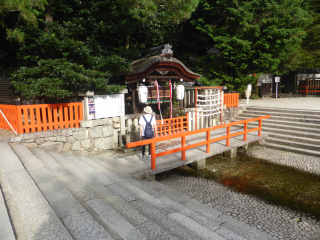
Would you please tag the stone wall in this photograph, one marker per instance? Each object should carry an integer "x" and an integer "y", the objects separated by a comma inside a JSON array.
[
  {"x": 229, "y": 114},
  {"x": 92, "y": 137}
]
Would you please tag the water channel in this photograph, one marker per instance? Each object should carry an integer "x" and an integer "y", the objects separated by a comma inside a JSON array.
[{"x": 255, "y": 191}]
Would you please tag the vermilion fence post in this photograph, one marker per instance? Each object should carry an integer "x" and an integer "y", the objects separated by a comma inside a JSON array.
[
  {"x": 208, "y": 142},
  {"x": 19, "y": 119},
  {"x": 153, "y": 155},
  {"x": 183, "y": 152},
  {"x": 260, "y": 126},
  {"x": 228, "y": 137},
  {"x": 245, "y": 131},
  {"x": 306, "y": 90}
]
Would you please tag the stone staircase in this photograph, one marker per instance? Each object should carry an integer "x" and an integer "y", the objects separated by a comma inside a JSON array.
[
  {"x": 48, "y": 195},
  {"x": 290, "y": 130}
]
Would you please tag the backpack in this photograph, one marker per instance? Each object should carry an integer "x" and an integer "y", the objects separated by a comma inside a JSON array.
[{"x": 148, "y": 130}]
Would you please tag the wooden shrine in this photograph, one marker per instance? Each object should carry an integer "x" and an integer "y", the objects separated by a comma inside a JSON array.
[{"x": 161, "y": 68}]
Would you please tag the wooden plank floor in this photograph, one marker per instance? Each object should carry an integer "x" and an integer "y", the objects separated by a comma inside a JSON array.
[{"x": 172, "y": 161}]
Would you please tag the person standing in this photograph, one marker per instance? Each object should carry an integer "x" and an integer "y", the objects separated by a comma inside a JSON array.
[{"x": 145, "y": 132}]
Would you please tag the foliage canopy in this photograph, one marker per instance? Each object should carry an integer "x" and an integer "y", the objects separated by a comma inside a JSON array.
[{"x": 251, "y": 37}]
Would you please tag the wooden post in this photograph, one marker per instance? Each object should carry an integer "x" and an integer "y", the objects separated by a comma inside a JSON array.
[
  {"x": 122, "y": 129},
  {"x": 153, "y": 155},
  {"x": 136, "y": 125},
  {"x": 129, "y": 125},
  {"x": 134, "y": 106},
  {"x": 183, "y": 151},
  {"x": 208, "y": 142},
  {"x": 260, "y": 126},
  {"x": 228, "y": 136},
  {"x": 245, "y": 131}
]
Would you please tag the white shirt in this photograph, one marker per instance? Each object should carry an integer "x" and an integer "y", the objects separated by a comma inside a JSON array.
[{"x": 143, "y": 123}]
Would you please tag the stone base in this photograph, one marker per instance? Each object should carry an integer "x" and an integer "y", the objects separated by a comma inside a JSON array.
[
  {"x": 231, "y": 154},
  {"x": 245, "y": 147},
  {"x": 201, "y": 164}
]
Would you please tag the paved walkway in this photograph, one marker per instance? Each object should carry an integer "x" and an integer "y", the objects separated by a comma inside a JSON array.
[{"x": 312, "y": 103}]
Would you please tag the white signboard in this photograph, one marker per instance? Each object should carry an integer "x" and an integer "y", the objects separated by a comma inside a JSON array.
[
  {"x": 265, "y": 78},
  {"x": 277, "y": 79},
  {"x": 103, "y": 106}
]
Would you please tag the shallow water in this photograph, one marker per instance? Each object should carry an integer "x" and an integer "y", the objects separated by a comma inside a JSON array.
[{"x": 275, "y": 184}]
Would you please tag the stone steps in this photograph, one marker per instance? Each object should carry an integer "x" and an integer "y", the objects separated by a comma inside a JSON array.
[
  {"x": 6, "y": 231},
  {"x": 65, "y": 196},
  {"x": 288, "y": 129},
  {"x": 282, "y": 110},
  {"x": 31, "y": 214},
  {"x": 282, "y": 118}
]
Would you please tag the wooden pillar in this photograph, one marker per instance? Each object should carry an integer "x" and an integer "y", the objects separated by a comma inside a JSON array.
[{"x": 134, "y": 106}]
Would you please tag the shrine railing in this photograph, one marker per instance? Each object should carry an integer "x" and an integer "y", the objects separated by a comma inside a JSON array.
[
  {"x": 172, "y": 125},
  {"x": 206, "y": 142},
  {"x": 40, "y": 117},
  {"x": 231, "y": 100}
]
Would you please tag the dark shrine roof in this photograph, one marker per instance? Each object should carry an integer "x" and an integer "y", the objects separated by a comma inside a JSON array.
[{"x": 162, "y": 62}]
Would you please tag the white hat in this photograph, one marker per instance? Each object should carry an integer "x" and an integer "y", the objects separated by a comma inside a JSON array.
[{"x": 147, "y": 109}]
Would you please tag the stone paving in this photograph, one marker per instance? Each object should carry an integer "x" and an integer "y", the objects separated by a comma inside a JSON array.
[
  {"x": 279, "y": 222},
  {"x": 311, "y": 103},
  {"x": 302, "y": 162}
]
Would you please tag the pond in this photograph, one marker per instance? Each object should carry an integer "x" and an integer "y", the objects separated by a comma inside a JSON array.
[{"x": 275, "y": 184}]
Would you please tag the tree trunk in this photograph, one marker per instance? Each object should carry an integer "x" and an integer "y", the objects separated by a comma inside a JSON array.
[
  {"x": 128, "y": 41},
  {"x": 49, "y": 13}
]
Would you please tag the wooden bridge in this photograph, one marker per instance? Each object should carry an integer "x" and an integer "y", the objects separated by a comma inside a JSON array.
[{"x": 172, "y": 151}]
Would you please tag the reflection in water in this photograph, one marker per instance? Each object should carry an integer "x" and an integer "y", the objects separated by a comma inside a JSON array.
[{"x": 275, "y": 184}]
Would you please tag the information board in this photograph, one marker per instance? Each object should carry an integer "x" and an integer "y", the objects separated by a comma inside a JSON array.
[{"x": 103, "y": 106}]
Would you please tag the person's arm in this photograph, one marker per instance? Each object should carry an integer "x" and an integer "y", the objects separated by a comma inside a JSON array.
[{"x": 141, "y": 129}]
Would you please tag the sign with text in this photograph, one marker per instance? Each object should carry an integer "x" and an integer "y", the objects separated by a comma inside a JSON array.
[{"x": 103, "y": 106}]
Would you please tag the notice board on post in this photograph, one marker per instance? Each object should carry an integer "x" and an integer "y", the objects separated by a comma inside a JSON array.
[{"x": 104, "y": 106}]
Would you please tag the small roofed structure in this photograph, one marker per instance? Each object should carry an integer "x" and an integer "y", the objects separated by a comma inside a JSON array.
[{"x": 163, "y": 68}]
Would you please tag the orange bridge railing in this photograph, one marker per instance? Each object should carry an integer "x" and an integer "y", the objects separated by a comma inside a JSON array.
[
  {"x": 231, "y": 100},
  {"x": 172, "y": 126},
  {"x": 41, "y": 117},
  {"x": 206, "y": 142}
]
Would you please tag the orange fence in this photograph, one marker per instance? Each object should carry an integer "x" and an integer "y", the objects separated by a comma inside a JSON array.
[
  {"x": 11, "y": 113},
  {"x": 172, "y": 126},
  {"x": 207, "y": 142},
  {"x": 310, "y": 89},
  {"x": 41, "y": 117},
  {"x": 231, "y": 99}
]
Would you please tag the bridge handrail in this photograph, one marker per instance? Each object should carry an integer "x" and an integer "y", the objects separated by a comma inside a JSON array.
[{"x": 207, "y": 142}]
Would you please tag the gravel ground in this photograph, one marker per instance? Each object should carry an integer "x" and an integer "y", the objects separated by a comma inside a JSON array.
[
  {"x": 279, "y": 222},
  {"x": 6, "y": 134},
  {"x": 299, "y": 161}
]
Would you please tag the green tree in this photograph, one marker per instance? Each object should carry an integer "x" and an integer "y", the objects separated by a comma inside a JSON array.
[
  {"x": 79, "y": 50},
  {"x": 309, "y": 52},
  {"x": 15, "y": 13},
  {"x": 251, "y": 37},
  {"x": 83, "y": 45}
]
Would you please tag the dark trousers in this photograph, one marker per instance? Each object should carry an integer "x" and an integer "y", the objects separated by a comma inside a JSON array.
[{"x": 144, "y": 146}]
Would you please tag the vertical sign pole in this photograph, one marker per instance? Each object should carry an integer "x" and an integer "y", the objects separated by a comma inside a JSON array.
[
  {"x": 249, "y": 89},
  {"x": 277, "y": 80}
]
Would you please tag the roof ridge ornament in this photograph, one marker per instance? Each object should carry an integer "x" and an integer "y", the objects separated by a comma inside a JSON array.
[{"x": 167, "y": 49}]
